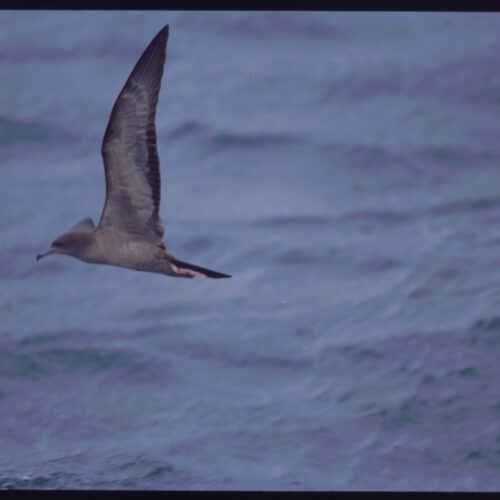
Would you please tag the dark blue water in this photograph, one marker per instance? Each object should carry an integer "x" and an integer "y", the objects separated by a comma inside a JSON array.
[{"x": 344, "y": 168}]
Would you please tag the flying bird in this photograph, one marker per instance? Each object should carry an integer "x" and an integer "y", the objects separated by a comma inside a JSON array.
[{"x": 130, "y": 231}]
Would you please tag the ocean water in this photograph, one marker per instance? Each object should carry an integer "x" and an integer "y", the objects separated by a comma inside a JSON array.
[{"x": 344, "y": 168}]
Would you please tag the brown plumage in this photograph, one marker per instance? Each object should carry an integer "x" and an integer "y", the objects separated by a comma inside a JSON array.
[{"x": 130, "y": 231}]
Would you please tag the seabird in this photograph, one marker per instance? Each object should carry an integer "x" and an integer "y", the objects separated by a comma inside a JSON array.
[{"x": 130, "y": 231}]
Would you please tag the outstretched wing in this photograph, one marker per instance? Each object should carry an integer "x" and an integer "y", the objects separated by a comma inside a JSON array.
[{"x": 131, "y": 162}]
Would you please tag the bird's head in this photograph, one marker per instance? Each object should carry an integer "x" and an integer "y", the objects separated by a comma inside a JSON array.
[{"x": 68, "y": 244}]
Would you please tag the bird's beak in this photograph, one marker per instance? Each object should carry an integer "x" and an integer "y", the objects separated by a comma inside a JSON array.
[{"x": 44, "y": 254}]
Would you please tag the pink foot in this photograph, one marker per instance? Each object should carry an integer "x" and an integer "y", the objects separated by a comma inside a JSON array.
[{"x": 187, "y": 273}]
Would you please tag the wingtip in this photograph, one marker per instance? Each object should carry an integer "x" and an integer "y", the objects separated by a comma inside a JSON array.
[
  {"x": 165, "y": 30},
  {"x": 162, "y": 35}
]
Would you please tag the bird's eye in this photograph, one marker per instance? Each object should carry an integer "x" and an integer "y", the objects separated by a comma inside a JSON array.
[{"x": 57, "y": 244}]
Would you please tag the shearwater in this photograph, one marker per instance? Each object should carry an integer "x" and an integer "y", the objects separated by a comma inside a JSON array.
[{"x": 130, "y": 231}]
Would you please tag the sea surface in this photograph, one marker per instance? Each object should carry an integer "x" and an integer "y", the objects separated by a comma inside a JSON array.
[{"x": 344, "y": 168}]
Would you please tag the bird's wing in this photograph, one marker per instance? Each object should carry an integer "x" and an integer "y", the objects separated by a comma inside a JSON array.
[
  {"x": 86, "y": 224},
  {"x": 131, "y": 162}
]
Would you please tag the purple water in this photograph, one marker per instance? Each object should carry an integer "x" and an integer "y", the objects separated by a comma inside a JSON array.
[{"x": 344, "y": 168}]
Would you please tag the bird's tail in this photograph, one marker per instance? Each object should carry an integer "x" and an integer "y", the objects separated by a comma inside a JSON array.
[{"x": 206, "y": 273}]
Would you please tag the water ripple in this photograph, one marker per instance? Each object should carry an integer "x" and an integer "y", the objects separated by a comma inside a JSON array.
[
  {"x": 14, "y": 131},
  {"x": 223, "y": 141},
  {"x": 57, "y": 361}
]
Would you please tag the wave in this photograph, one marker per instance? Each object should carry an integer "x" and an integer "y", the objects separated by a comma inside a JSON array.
[
  {"x": 56, "y": 361},
  {"x": 392, "y": 217},
  {"x": 222, "y": 141},
  {"x": 228, "y": 140},
  {"x": 14, "y": 131},
  {"x": 187, "y": 129},
  {"x": 210, "y": 352},
  {"x": 54, "y": 480},
  {"x": 362, "y": 156},
  {"x": 267, "y": 25},
  {"x": 471, "y": 77},
  {"x": 464, "y": 206},
  {"x": 385, "y": 217},
  {"x": 293, "y": 220},
  {"x": 119, "y": 49},
  {"x": 456, "y": 155}
]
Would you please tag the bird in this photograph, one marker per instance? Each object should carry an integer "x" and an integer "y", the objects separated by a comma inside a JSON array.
[{"x": 130, "y": 231}]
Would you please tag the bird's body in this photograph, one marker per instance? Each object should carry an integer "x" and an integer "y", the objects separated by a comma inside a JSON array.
[
  {"x": 118, "y": 249},
  {"x": 115, "y": 248},
  {"x": 130, "y": 231}
]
